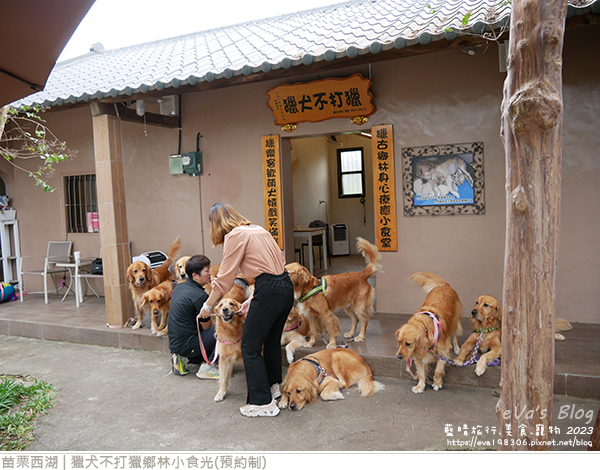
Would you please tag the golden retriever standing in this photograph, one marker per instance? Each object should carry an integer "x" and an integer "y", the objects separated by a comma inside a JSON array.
[
  {"x": 324, "y": 373},
  {"x": 142, "y": 278},
  {"x": 317, "y": 299},
  {"x": 158, "y": 301},
  {"x": 487, "y": 327},
  {"x": 430, "y": 331},
  {"x": 229, "y": 325}
]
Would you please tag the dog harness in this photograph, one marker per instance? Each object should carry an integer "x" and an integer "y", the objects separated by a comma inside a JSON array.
[
  {"x": 437, "y": 328},
  {"x": 322, "y": 373},
  {"x": 322, "y": 287}
]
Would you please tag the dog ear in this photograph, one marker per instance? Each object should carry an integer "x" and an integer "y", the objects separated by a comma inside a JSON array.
[{"x": 311, "y": 392}]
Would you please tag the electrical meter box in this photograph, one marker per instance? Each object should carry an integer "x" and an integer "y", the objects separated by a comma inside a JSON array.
[
  {"x": 189, "y": 163},
  {"x": 192, "y": 163}
]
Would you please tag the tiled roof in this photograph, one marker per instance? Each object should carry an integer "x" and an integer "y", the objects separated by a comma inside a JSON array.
[{"x": 343, "y": 30}]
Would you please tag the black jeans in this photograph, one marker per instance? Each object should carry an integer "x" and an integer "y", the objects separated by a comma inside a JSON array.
[{"x": 261, "y": 340}]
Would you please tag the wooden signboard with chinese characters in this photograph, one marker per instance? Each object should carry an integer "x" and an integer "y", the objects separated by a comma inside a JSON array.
[
  {"x": 384, "y": 188},
  {"x": 320, "y": 100},
  {"x": 271, "y": 167}
]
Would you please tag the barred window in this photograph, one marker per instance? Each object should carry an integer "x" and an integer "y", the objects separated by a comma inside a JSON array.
[
  {"x": 81, "y": 201},
  {"x": 351, "y": 173}
]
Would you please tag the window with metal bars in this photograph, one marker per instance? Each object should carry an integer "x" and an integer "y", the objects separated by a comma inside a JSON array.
[
  {"x": 81, "y": 204},
  {"x": 351, "y": 173}
]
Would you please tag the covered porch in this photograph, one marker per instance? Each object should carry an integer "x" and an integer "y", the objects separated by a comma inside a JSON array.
[{"x": 577, "y": 370}]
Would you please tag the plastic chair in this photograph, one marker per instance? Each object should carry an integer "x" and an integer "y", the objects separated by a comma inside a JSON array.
[{"x": 58, "y": 252}]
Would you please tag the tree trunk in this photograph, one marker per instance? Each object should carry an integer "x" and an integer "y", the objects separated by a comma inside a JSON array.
[{"x": 531, "y": 131}]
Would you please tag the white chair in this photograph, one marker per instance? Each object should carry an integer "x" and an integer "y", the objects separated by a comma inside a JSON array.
[{"x": 58, "y": 252}]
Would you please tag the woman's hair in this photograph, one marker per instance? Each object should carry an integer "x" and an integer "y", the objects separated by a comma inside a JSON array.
[{"x": 223, "y": 219}]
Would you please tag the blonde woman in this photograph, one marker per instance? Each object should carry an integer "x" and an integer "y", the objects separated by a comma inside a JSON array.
[{"x": 252, "y": 250}]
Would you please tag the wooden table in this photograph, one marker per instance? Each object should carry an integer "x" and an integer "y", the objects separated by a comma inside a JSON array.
[{"x": 309, "y": 232}]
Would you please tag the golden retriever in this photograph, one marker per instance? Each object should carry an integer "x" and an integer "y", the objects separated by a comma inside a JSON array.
[
  {"x": 180, "y": 274},
  {"x": 294, "y": 334},
  {"x": 141, "y": 278},
  {"x": 350, "y": 291},
  {"x": 229, "y": 325},
  {"x": 430, "y": 331},
  {"x": 158, "y": 301},
  {"x": 324, "y": 373},
  {"x": 487, "y": 326}
]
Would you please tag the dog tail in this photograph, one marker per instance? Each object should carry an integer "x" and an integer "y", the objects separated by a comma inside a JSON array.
[
  {"x": 427, "y": 281},
  {"x": 173, "y": 254},
  {"x": 561, "y": 324},
  {"x": 371, "y": 255},
  {"x": 367, "y": 386}
]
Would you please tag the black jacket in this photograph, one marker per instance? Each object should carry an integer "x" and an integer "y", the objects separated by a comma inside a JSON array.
[{"x": 187, "y": 300}]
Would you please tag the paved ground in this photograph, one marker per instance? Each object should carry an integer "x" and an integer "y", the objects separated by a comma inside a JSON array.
[{"x": 124, "y": 400}]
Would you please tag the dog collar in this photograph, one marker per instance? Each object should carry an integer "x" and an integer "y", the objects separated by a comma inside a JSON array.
[
  {"x": 241, "y": 282},
  {"x": 486, "y": 330},
  {"x": 295, "y": 327},
  {"x": 322, "y": 287},
  {"x": 322, "y": 373}
]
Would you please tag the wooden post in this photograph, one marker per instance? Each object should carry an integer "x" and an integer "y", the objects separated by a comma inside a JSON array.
[{"x": 531, "y": 129}]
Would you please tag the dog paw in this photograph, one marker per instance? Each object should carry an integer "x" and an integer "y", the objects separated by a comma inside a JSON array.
[
  {"x": 458, "y": 362},
  {"x": 219, "y": 397},
  {"x": 331, "y": 346},
  {"x": 359, "y": 339},
  {"x": 418, "y": 389},
  {"x": 480, "y": 370},
  {"x": 348, "y": 335},
  {"x": 136, "y": 326},
  {"x": 438, "y": 387},
  {"x": 282, "y": 405}
]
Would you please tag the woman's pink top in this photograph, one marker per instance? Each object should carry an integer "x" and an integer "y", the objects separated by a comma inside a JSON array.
[{"x": 252, "y": 250}]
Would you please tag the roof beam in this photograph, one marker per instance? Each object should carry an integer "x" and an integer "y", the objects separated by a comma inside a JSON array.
[{"x": 127, "y": 114}]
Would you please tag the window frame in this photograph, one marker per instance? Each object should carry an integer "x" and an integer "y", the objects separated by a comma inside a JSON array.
[
  {"x": 81, "y": 199},
  {"x": 341, "y": 174}
]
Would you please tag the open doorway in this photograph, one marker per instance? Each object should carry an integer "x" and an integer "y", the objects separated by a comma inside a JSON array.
[{"x": 320, "y": 192}]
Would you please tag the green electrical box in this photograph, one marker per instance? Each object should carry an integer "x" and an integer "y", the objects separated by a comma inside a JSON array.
[{"x": 192, "y": 163}]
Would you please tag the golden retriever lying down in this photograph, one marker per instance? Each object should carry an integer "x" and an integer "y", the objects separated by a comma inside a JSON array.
[
  {"x": 487, "y": 325},
  {"x": 324, "y": 373},
  {"x": 158, "y": 302},
  {"x": 429, "y": 332},
  {"x": 350, "y": 291}
]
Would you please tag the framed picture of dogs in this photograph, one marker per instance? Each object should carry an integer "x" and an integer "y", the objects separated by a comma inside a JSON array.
[{"x": 443, "y": 179}]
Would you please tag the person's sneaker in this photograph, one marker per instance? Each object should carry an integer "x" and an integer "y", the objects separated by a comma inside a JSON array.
[
  {"x": 208, "y": 371},
  {"x": 179, "y": 364},
  {"x": 254, "y": 411},
  {"x": 275, "y": 391}
]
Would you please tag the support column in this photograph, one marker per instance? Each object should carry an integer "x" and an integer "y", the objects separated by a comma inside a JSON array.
[{"x": 114, "y": 236}]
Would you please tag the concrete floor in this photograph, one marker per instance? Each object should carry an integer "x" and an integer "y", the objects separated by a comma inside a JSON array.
[{"x": 577, "y": 367}]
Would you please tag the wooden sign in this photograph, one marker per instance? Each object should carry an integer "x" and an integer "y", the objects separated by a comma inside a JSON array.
[
  {"x": 320, "y": 100},
  {"x": 271, "y": 167},
  {"x": 384, "y": 188}
]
